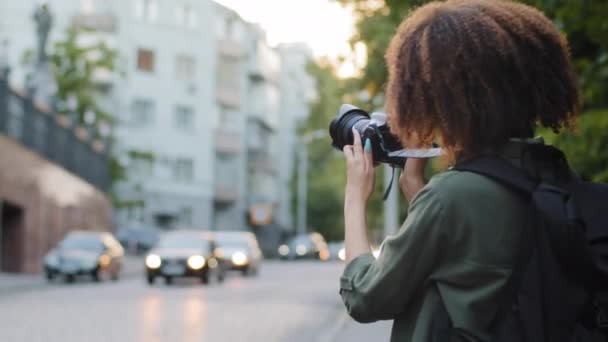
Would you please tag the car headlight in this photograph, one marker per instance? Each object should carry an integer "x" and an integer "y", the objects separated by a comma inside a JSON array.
[
  {"x": 196, "y": 262},
  {"x": 283, "y": 250},
  {"x": 342, "y": 254},
  {"x": 52, "y": 260},
  {"x": 153, "y": 261},
  {"x": 301, "y": 250},
  {"x": 239, "y": 259}
]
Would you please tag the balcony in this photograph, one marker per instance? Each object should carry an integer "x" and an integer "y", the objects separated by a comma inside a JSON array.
[
  {"x": 227, "y": 142},
  {"x": 53, "y": 137},
  {"x": 225, "y": 193},
  {"x": 261, "y": 162},
  {"x": 228, "y": 98},
  {"x": 230, "y": 48}
]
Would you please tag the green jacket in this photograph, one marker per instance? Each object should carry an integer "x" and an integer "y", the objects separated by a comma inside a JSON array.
[{"x": 458, "y": 244}]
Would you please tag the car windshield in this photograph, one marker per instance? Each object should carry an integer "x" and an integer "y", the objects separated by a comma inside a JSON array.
[
  {"x": 233, "y": 243},
  {"x": 183, "y": 242},
  {"x": 82, "y": 242}
]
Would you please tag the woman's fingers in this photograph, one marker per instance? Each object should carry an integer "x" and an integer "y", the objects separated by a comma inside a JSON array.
[
  {"x": 368, "y": 155},
  {"x": 357, "y": 148},
  {"x": 348, "y": 152}
]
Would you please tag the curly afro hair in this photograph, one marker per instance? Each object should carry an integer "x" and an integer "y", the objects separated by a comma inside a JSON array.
[{"x": 474, "y": 73}]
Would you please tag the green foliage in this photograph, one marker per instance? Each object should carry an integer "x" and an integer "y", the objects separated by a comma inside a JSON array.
[
  {"x": 586, "y": 26},
  {"x": 584, "y": 23},
  {"x": 117, "y": 171},
  {"x": 327, "y": 174},
  {"x": 75, "y": 66},
  {"x": 143, "y": 155},
  {"x": 587, "y": 147}
]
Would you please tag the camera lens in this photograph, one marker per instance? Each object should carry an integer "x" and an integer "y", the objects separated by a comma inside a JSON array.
[{"x": 341, "y": 127}]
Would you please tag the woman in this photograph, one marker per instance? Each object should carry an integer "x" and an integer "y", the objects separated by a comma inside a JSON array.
[{"x": 476, "y": 76}]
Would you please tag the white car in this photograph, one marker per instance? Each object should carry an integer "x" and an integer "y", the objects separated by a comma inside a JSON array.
[{"x": 240, "y": 249}]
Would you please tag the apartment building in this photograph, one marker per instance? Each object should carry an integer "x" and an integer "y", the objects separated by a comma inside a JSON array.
[{"x": 206, "y": 109}]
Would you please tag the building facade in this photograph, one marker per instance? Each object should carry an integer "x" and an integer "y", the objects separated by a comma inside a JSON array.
[{"x": 205, "y": 108}]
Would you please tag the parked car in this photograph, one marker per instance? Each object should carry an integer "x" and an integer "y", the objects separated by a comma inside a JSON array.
[
  {"x": 97, "y": 254},
  {"x": 137, "y": 240},
  {"x": 306, "y": 246},
  {"x": 241, "y": 251},
  {"x": 184, "y": 254}
]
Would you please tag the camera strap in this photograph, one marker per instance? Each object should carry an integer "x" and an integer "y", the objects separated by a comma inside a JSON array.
[{"x": 390, "y": 184}]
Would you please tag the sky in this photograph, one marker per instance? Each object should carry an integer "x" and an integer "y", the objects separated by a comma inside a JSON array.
[{"x": 323, "y": 24}]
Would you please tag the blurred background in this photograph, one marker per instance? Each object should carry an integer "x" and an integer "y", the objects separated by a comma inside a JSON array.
[{"x": 180, "y": 149}]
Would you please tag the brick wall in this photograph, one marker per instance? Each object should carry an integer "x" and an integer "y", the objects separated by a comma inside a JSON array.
[{"x": 53, "y": 200}]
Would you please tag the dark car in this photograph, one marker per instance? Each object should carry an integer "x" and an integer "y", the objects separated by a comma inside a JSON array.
[
  {"x": 241, "y": 251},
  {"x": 184, "y": 254},
  {"x": 137, "y": 240},
  {"x": 306, "y": 246},
  {"x": 85, "y": 253}
]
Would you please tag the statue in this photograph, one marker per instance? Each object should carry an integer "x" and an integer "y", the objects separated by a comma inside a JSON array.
[
  {"x": 41, "y": 81},
  {"x": 44, "y": 21}
]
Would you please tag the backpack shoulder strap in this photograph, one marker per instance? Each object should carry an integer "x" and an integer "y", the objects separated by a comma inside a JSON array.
[{"x": 500, "y": 170}]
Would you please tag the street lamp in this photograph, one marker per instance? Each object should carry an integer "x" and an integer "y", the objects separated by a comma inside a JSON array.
[{"x": 303, "y": 176}]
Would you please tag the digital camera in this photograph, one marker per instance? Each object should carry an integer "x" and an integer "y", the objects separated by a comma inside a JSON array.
[{"x": 386, "y": 147}]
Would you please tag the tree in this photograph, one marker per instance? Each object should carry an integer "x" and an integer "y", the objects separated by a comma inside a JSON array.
[
  {"x": 327, "y": 174},
  {"x": 75, "y": 66},
  {"x": 584, "y": 23}
]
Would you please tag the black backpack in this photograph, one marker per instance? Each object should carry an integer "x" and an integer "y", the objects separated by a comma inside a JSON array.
[{"x": 560, "y": 284}]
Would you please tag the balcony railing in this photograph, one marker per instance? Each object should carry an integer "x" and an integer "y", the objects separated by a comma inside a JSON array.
[
  {"x": 225, "y": 193},
  {"x": 227, "y": 141},
  {"x": 230, "y": 48},
  {"x": 53, "y": 136}
]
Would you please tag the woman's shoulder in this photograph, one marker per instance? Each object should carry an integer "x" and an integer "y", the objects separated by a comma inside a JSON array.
[{"x": 458, "y": 186}]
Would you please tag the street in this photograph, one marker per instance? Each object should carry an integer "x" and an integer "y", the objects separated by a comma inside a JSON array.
[{"x": 288, "y": 301}]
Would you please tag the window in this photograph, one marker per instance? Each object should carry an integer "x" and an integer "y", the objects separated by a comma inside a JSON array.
[
  {"x": 185, "y": 67},
  {"x": 145, "y": 60},
  {"x": 146, "y": 9},
  {"x": 186, "y": 16},
  {"x": 184, "y": 118},
  {"x": 183, "y": 170},
  {"x": 142, "y": 113}
]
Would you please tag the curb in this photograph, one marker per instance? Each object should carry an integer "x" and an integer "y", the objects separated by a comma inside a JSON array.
[{"x": 41, "y": 282}]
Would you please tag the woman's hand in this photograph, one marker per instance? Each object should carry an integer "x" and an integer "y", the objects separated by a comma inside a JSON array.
[
  {"x": 359, "y": 170},
  {"x": 412, "y": 178}
]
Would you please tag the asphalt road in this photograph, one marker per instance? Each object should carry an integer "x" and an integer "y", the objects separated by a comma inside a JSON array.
[{"x": 288, "y": 301}]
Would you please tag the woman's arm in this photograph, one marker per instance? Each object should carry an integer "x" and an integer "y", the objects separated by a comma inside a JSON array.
[
  {"x": 359, "y": 187},
  {"x": 370, "y": 289},
  {"x": 381, "y": 289}
]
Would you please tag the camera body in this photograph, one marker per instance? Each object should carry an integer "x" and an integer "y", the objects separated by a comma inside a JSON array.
[{"x": 385, "y": 146}]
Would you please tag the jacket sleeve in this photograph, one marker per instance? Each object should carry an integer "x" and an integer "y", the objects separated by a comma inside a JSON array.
[{"x": 380, "y": 289}]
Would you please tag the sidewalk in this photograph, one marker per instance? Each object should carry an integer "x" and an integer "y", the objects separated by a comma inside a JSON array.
[{"x": 132, "y": 266}]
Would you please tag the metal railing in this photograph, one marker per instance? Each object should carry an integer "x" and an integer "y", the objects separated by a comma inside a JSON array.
[{"x": 53, "y": 136}]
